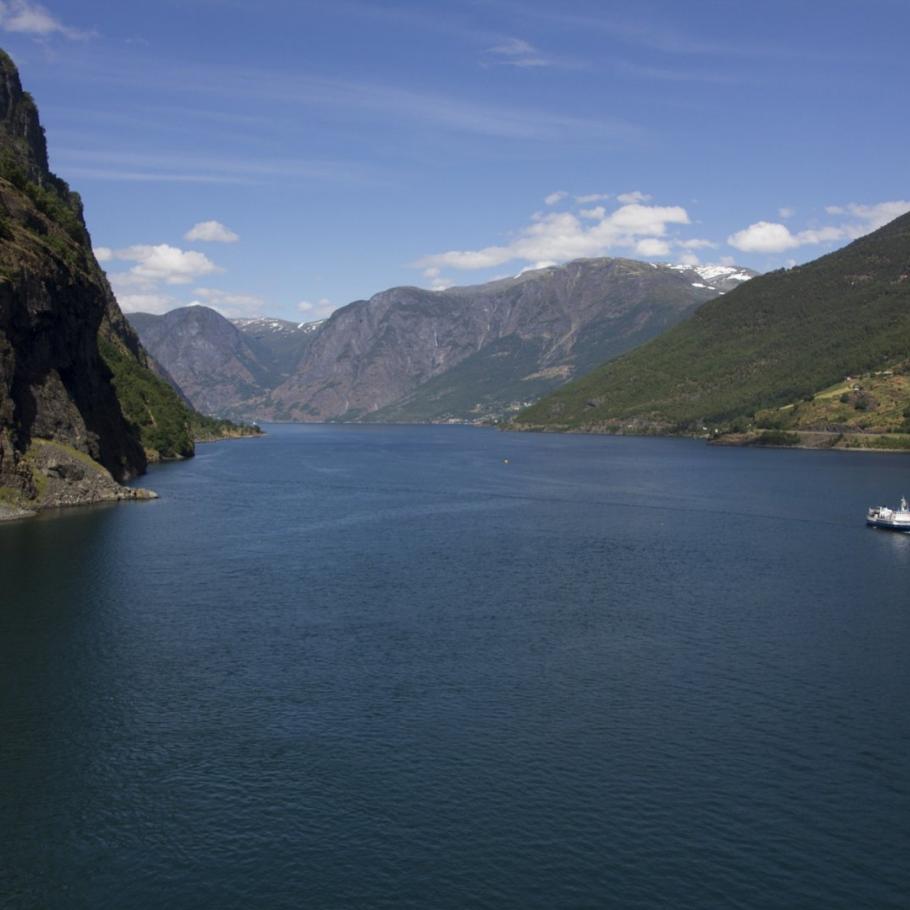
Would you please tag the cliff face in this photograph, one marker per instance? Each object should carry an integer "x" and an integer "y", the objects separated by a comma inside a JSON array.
[
  {"x": 413, "y": 355},
  {"x": 222, "y": 365},
  {"x": 206, "y": 356},
  {"x": 55, "y": 307}
]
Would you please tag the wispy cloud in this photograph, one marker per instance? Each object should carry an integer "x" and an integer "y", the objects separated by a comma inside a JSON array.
[
  {"x": 348, "y": 101},
  {"x": 171, "y": 167},
  {"x": 33, "y": 19},
  {"x": 523, "y": 55},
  {"x": 120, "y": 175},
  {"x": 516, "y": 52}
]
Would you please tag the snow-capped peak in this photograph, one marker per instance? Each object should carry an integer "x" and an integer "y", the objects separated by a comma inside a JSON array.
[{"x": 713, "y": 272}]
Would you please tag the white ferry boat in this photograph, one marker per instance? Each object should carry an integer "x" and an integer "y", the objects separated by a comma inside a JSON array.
[{"x": 891, "y": 519}]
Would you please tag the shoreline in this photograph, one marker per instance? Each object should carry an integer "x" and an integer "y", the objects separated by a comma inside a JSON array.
[
  {"x": 737, "y": 440},
  {"x": 94, "y": 484}
]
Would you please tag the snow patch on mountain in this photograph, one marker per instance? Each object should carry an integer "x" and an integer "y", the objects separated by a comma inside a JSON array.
[{"x": 713, "y": 272}]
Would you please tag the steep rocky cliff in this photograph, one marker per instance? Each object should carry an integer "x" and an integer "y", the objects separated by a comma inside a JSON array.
[{"x": 63, "y": 340}]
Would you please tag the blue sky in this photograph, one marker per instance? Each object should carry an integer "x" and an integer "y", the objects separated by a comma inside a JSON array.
[{"x": 285, "y": 157}]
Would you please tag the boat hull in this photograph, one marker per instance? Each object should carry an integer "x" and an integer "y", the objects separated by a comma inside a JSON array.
[{"x": 885, "y": 525}]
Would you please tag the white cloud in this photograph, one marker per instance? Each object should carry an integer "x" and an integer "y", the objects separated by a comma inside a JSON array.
[
  {"x": 772, "y": 237},
  {"x": 103, "y": 253},
  {"x": 696, "y": 243},
  {"x": 229, "y": 304},
  {"x": 211, "y": 232},
  {"x": 763, "y": 237},
  {"x": 588, "y": 198},
  {"x": 162, "y": 263},
  {"x": 553, "y": 198},
  {"x": 33, "y": 19},
  {"x": 689, "y": 259},
  {"x": 652, "y": 246},
  {"x": 560, "y": 236},
  {"x": 633, "y": 197},
  {"x": 784, "y": 213},
  {"x": 595, "y": 214}
]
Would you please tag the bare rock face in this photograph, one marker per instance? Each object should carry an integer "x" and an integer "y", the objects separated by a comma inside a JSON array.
[
  {"x": 409, "y": 354},
  {"x": 222, "y": 365},
  {"x": 206, "y": 357},
  {"x": 54, "y": 299}
]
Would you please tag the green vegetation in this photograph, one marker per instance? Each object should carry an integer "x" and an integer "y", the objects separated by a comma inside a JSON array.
[
  {"x": 776, "y": 340},
  {"x": 487, "y": 381},
  {"x": 892, "y": 441},
  {"x": 167, "y": 427},
  {"x": 10, "y": 497},
  {"x": 875, "y": 402},
  {"x": 150, "y": 404}
]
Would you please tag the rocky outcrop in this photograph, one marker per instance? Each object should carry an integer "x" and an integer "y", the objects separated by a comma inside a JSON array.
[
  {"x": 57, "y": 312},
  {"x": 67, "y": 477}
]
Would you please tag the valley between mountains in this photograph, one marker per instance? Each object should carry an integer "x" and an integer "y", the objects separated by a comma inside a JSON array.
[
  {"x": 477, "y": 353},
  {"x": 815, "y": 355}
]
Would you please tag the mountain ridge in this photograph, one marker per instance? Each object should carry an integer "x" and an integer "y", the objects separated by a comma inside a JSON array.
[
  {"x": 777, "y": 339},
  {"x": 499, "y": 343}
]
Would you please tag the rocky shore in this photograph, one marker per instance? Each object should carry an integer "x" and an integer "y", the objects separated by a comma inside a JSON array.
[{"x": 63, "y": 476}]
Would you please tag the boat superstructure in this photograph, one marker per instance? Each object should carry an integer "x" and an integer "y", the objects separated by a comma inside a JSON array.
[{"x": 890, "y": 519}]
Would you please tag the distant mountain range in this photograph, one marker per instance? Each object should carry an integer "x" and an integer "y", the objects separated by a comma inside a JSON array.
[
  {"x": 762, "y": 353},
  {"x": 217, "y": 364},
  {"x": 408, "y": 354}
]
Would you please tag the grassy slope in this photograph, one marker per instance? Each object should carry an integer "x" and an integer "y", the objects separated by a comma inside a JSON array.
[
  {"x": 167, "y": 427},
  {"x": 777, "y": 339}
]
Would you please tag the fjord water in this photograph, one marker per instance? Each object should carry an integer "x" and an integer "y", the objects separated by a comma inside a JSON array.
[{"x": 448, "y": 667}]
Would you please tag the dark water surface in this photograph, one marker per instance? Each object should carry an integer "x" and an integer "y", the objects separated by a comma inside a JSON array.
[{"x": 379, "y": 667}]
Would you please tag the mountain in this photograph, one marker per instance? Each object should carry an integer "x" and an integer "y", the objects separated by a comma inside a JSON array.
[
  {"x": 471, "y": 352},
  {"x": 80, "y": 409},
  {"x": 222, "y": 366},
  {"x": 206, "y": 356},
  {"x": 409, "y": 354},
  {"x": 774, "y": 341},
  {"x": 281, "y": 342}
]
